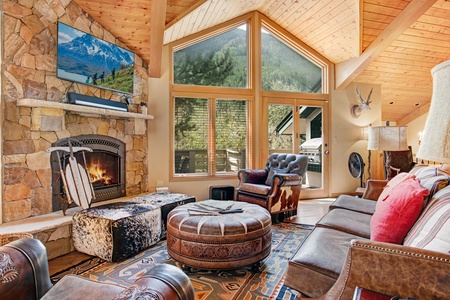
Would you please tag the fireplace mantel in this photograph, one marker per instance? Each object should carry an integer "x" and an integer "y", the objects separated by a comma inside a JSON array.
[{"x": 81, "y": 109}]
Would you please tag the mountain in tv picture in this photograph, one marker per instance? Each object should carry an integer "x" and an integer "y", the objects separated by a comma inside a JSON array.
[{"x": 89, "y": 55}]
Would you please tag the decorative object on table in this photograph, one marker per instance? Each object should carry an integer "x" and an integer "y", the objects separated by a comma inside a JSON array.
[
  {"x": 435, "y": 143},
  {"x": 356, "y": 166},
  {"x": 143, "y": 107},
  {"x": 387, "y": 138},
  {"x": 214, "y": 234},
  {"x": 77, "y": 185},
  {"x": 364, "y": 104}
]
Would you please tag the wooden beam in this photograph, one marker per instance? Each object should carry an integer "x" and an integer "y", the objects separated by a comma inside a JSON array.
[
  {"x": 414, "y": 115},
  {"x": 348, "y": 70},
  {"x": 157, "y": 25}
]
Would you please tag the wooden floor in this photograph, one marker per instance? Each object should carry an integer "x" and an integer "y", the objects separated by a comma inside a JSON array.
[{"x": 308, "y": 213}]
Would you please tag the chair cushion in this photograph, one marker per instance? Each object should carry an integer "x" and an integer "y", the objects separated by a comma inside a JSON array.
[
  {"x": 72, "y": 287},
  {"x": 355, "y": 204},
  {"x": 347, "y": 221},
  {"x": 259, "y": 189},
  {"x": 432, "y": 230},
  {"x": 396, "y": 213}
]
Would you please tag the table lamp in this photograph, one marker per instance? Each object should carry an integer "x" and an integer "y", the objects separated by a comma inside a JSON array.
[{"x": 387, "y": 138}]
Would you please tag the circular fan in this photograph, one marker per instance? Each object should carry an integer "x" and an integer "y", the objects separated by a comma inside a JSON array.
[{"x": 356, "y": 166}]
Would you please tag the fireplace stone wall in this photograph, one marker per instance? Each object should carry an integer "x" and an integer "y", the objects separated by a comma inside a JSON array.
[{"x": 29, "y": 71}]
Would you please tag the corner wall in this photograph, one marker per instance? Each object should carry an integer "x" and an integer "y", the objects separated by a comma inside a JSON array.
[{"x": 346, "y": 135}]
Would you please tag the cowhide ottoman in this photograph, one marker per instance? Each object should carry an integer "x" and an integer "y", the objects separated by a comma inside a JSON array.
[
  {"x": 166, "y": 202},
  {"x": 116, "y": 231},
  {"x": 214, "y": 234}
]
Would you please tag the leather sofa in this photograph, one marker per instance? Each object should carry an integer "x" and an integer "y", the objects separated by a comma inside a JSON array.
[
  {"x": 24, "y": 274},
  {"x": 339, "y": 256}
]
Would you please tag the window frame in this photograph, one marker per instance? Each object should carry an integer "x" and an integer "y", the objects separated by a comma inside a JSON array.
[{"x": 253, "y": 93}]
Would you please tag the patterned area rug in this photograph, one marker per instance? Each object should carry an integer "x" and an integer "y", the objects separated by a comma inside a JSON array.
[{"x": 243, "y": 283}]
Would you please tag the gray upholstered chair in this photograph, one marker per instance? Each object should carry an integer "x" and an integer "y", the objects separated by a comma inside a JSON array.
[{"x": 276, "y": 187}]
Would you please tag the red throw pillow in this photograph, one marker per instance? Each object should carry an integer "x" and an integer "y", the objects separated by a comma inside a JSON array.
[{"x": 397, "y": 212}]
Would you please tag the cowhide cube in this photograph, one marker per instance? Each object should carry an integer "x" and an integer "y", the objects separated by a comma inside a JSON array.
[
  {"x": 116, "y": 231},
  {"x": 167, "y": 202}
]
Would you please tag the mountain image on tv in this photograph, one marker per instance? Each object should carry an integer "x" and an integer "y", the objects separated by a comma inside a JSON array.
[{"x": 86, "y": 59}]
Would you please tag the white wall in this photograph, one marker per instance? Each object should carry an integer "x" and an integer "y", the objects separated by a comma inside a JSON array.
[
  {"x": 413, "y": 130},
  {"x": 346, "y": 131}
]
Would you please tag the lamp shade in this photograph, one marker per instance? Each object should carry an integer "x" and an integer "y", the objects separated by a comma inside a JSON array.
[
  {"x": 387, "y": 138},
  {"x": 435, "y": 144}
]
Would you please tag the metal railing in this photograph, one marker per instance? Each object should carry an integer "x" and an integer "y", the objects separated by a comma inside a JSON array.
[{"x": 196, "y": 161}]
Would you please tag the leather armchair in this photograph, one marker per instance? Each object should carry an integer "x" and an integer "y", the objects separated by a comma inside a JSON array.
[
  {"x": 277, "y": 187},
  {"x": 399, "y": 161},
  {"x": 24, "y": 275}
]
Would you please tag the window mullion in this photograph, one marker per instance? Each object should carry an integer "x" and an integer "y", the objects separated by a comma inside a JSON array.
[{"x": 212, "y": 136}]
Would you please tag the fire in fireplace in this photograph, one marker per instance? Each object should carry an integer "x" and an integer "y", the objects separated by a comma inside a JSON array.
[{"x": 105, "y": 164}]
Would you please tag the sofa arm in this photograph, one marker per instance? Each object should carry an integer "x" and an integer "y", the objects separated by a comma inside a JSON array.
[
  {"x": 252, "y": 176},
  {"x": 24, "y": 270},
  {"x": 374, "y": 188},
  {"x": 394, "y": 270}
]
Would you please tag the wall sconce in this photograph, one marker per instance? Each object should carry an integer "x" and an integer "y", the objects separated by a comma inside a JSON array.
[{"x": 420, "y": 137}]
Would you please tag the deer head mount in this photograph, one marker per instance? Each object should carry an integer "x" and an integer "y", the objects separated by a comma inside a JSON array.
[{"x": 363, "y": 103}]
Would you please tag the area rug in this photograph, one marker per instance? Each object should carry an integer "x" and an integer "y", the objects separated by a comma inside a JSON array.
[{"x": 243, "y": 283}]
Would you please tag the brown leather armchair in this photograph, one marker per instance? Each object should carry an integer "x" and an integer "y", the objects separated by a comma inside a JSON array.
[
  {"x": 24, "y": 274},
  {"x": 277, "y": 187},
  {"x": 399, "y": 161}
]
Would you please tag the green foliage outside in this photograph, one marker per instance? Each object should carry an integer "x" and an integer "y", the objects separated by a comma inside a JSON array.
[{"x": 222, "y": 61}]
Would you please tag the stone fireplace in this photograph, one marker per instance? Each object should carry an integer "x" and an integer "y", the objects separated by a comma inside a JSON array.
[{"x": 105, "y": 165}]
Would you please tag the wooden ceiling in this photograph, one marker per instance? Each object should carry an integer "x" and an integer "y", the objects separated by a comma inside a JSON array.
[{"x": 394, "y": 43}]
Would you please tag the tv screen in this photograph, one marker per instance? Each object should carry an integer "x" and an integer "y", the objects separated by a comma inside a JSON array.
[{"x": 86, "y": 59}]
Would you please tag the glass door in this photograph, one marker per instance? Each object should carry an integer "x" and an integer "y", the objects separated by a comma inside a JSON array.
[{"x": 300, "y": 126}]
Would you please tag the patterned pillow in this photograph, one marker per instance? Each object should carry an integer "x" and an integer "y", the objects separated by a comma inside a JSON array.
[
  {"x": 434, "y": 184},
  {"x": 423, "y": 171},
  {"x": 432, "y": 229}
]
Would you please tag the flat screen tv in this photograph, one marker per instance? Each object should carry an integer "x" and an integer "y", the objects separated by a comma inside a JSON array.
[{"x": 86, "y": 59}]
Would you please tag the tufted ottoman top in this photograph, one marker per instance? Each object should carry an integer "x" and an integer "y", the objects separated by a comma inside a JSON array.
[{"x": 204, "y": 218}]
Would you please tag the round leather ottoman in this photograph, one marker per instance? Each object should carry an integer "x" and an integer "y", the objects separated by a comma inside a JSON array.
[{"x": 215, "y": 234}]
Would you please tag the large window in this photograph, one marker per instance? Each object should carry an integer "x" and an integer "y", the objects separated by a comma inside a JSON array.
[
  {"x": 220, "y": 78},
  {"x": 209, "y": 143},
  {"x": 219, "y": 61},
  {"x": 285, "y": 69}
]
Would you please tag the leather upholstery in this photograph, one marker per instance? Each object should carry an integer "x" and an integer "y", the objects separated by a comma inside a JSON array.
[
  {"x": 24, "y": 275},
  {"x": 347, "y": 221},
  {"x": 281, "y": 197},
  {"x": 399, "y": 161},
  {"x": 24, "y": 270},
  {"x": 393, "y": 270},
  {"x": 355, "y": 204},
  {"x": 212, "y": 240}
]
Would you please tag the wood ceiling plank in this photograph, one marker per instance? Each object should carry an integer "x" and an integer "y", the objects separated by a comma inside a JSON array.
[
  {"x": 348, "y": 70},
  {"x": 417, "y": 112},
  {"x": 157, "y": 25},
  {"x": 190, "y": 9}
]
